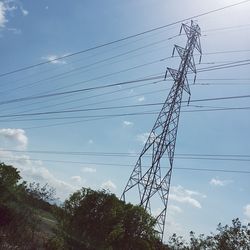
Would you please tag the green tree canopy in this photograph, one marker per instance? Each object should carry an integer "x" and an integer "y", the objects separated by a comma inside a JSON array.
[
  {"x": 233, "y": 237},
  {"x": 9, "y": 178},
  {"x": 99, "y": 220}
]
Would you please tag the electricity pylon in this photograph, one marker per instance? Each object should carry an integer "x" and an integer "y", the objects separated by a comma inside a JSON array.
[{"x": 152, "y": 182}]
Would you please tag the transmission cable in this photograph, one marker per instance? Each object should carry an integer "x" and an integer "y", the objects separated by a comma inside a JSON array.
[
  {"x": 122, "y": 39},
  {"x": 150, "y": 112},
  {"x": 119, "y": 107},
  {"x": 117, "y": 154},
  {"x": 105, "y": 86},
  {"x": 126, "y": 165}
]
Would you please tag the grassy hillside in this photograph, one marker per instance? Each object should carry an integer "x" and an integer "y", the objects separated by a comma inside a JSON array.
[{"x": 27, "y": 219}]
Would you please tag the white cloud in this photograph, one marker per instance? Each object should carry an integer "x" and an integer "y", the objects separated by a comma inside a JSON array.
[
  {"x": 24, "y": 12},
  {"x": 34, "y": 171},
  {"x": 31, "y": 172},
  {"x": 182, "y": 195},
  {"x": 127, "y": 124},
  {"x": 172, "y": 221},
  {"x": 216, "y": 182},
  {"x": 76, "y": 178},
  {"x": 173, "y": 227},
  {"x": 15, "y": 136},
  {"x": 247, "y": 211},
  {"x": 88, "y": 170},
  {"x": 15, "y": 31},
  {"x": 7, "y": 6},
  {"x": 141, "y": 99},
  {"x": 54, "y": 59},
  {"x": 108, "y": 185},
  {"x": 3, "y": 19},
  {"x": 142, "y": 137},
  {"x": 185, "y": 199},
  {"x": 90, "y": 141},
  {"x": 173, "y": 209}
]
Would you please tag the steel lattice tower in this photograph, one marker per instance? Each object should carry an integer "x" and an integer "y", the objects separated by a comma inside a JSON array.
[{"x": 152, "y": 182}]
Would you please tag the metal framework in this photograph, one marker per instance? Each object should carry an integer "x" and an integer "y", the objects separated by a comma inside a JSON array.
[{"x": 152, "y": 182}]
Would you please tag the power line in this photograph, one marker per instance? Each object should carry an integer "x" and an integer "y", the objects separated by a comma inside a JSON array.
[
  {"x": 63, "y": 74},
  {"x": 120, "y": 114},
  {"x": 78, "y": 90},
  {"x": 132, "y": 96},
  {"x": 122, "y": 39},
  {"x": 223, "y": 66},
  {"x": 100, "y": 77},
  {"x": 97, "y": 118},
  {"x": 94, "y": 55},
  {"x": 121, "y": 154},
  {"x": 117, "y": 107},
  {"x": 226, "y": 64},
  {"x": 95, "y": 78},
  {"x": 103, "y": 76},
  {"x": 106, "y": 59},
  {"x": 228, "y": 27},
  {"x": 126, "y": 165},
  {"x": 92, "y": 96},
  {"x": 214, "y": 170},
  {"x": 227, "y": 52}
]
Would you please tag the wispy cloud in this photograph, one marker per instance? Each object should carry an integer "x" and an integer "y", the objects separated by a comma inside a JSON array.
[
  {"x": 90, "y": 141},
  {"x": 76, "y": 178},
  {"x": 108, "y": 185},
  {"x": 41, "y": 174},
  {"x": 141, "y": 99},
  {"x": 142, "y": 138},
  {"x": 247, "y": 212},
  {"x": 24, "y": 11},
  {"x": 171, "y": 222},
  {"x": 216, "y": 182},
  {"x": 15, "y": 136},
  {"x": 173, "y": 209},
  {"x": 182, "y": 195},
  {"x": 32, "y": 171},
  {"x": 54, "y": 59},
  {"x": 7, "y": 6},
  {"x": 15, "y": 31},
  {"x": 127, "y": 124},
  {"x": 3, "y": 18},
  {"x": 88, "y": 170}
]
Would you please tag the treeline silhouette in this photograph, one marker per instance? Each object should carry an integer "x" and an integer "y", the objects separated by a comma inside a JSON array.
[{"x": 91, "y": 220}]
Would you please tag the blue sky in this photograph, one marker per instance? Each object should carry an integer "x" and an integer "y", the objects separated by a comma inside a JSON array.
[{"x": 35, "y": 32}]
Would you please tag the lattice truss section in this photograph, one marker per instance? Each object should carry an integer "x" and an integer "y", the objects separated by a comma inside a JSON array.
[{"x": 150, "y": 180}]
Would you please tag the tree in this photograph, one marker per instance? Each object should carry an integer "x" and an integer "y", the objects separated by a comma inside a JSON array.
[
  {"x": 236, "y": 236},
  {"x": 99, "y": 220},
  {"x": 233, "y": 237},
  {"x": 17, "y": 221},
  {"x": 20, "y": 208},
  {"x": 9, "y": 177},
  {"x": 44, "y": 193}
]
